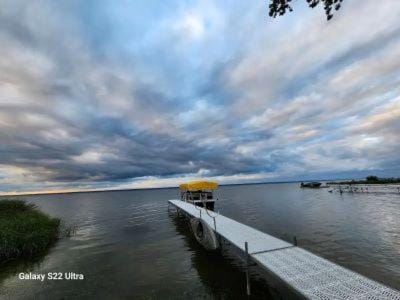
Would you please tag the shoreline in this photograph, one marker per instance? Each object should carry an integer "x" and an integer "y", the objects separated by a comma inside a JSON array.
[
  {"x": 336, "y": 182},
  {"x": 26, "y": 231},
  {"x": 141, "y": 189}
]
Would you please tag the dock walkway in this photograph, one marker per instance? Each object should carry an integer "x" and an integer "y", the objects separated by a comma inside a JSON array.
[{"x": 308, "y": 274}]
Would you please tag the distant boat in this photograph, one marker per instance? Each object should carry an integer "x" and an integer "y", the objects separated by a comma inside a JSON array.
[{"x": 312, "y": 185}]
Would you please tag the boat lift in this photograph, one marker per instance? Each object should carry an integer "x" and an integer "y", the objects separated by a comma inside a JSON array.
[{"x": 309, "y": 275}]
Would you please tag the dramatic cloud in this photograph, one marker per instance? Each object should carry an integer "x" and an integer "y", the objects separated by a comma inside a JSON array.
[{"x": 112, "y": 94}]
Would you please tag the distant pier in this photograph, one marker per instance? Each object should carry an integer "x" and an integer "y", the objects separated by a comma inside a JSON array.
[{"x": 366, "y": 188}]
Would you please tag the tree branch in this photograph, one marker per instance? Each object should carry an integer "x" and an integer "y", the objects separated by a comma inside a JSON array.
[{"x": 280, "y": 7}]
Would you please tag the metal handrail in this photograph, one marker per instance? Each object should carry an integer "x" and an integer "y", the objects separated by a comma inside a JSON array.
[{"x": 207, "y": 212}]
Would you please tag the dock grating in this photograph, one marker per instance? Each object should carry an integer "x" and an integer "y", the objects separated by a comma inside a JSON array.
[{"x": 310, "y": 275}]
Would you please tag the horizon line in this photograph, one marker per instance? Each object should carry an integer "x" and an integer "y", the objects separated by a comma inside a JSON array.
[{"x": 44, "y": 193}]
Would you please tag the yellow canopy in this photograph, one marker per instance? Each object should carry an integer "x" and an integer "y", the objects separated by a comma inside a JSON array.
[{"x": 196, "y": 185}]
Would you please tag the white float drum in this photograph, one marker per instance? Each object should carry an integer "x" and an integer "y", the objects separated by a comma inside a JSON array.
[{"x": 204, "y": 234}]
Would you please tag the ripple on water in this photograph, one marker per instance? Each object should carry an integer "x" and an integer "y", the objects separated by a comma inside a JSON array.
[{"x": 131, "y": 236}]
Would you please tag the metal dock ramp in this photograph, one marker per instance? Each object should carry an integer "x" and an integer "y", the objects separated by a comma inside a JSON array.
[{"x": 308, "y": 274}]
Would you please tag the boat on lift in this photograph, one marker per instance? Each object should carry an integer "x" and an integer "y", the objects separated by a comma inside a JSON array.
[
  {"x": 313, "y": 185},
  {"x": 199, "y": 193}
]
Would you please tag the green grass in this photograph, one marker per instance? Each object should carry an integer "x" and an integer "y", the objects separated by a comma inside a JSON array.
[{"x": 25, "y": 231}]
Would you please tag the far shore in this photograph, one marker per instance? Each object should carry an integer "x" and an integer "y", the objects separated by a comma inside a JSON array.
[
  {"x": 380, "y": 181},
  {"x": 373, "y": 180}
]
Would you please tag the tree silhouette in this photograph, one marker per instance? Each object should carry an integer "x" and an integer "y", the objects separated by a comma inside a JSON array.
[
  {"x": 372, "y": 178},
  {"x": 280, "y": 7}
]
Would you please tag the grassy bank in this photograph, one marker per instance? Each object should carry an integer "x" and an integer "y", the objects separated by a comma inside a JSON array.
[{"x": 24, "y": 230}]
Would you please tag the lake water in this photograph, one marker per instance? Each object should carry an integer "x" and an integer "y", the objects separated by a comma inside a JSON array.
[{"x": 128, "y": 246}]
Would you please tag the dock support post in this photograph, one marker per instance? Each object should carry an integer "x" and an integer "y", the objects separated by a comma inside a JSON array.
[{"x": 246, "y": 246}]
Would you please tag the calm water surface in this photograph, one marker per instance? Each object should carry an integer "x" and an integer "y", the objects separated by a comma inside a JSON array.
[{"x": 129, "y": 247}]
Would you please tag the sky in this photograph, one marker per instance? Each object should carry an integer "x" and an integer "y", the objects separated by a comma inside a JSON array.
[{"x": 137, "y": 94}]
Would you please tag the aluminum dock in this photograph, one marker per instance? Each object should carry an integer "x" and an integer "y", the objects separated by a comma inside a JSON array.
[{"x": 309, "y": 275}]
